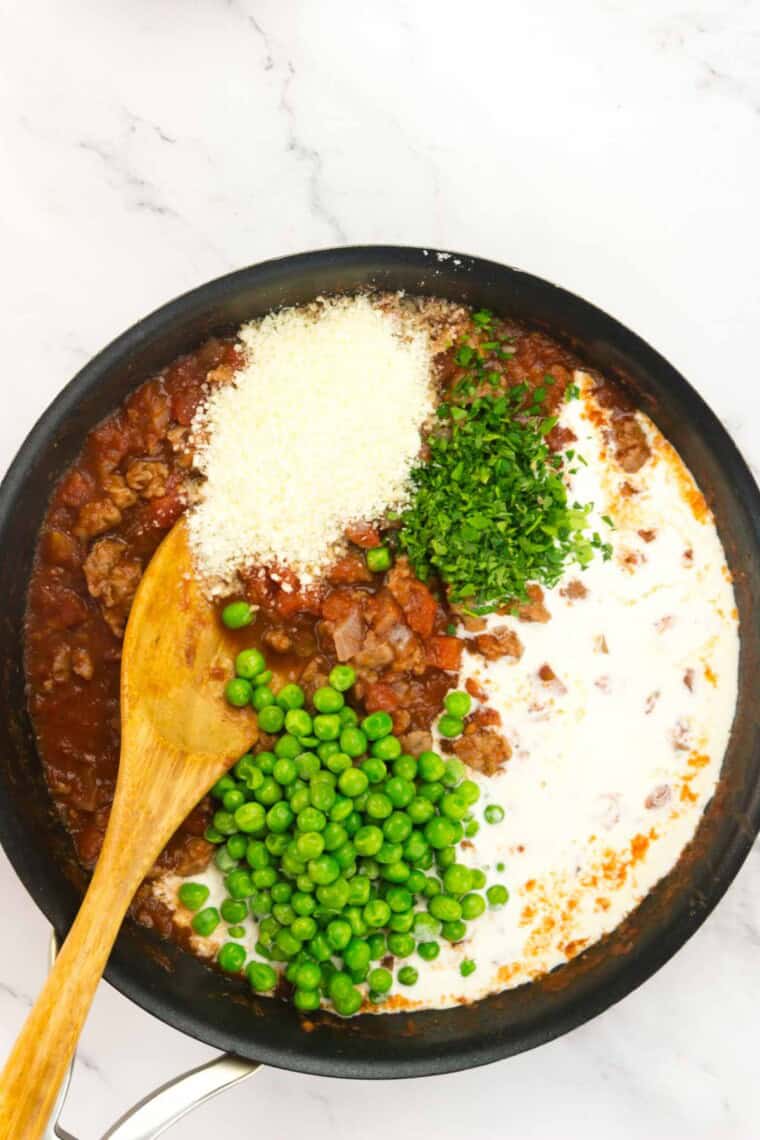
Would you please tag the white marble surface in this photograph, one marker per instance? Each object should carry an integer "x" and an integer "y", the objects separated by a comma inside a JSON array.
[{"x": 613, "y": 147}]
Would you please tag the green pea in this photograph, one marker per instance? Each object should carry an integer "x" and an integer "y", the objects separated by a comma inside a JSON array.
[
  {"x": 348, "y": 1003},
  {"x": 431, "y": 792},
  {"x": 326, "y": 749},
  {"x": 353, "y": 741},
  {"x": 233, "y": 910},
  {"x": 328, "y": 699},
  {"x": 262, "y": 697},
  {"x": 494, "y": 813},
  {"x": 238, "y": 692},
  {"x": 376, "y": 913},
  {"x": 211, "y": 835},
  {"x": 277, "y": 844},
  {"x": 236, "y": 846},
  {"x": 303, "y": 927},
  {"x": 291, "y": 697},
  {"x": 457, "y": 879},
  {"x": 224, "y": 861},
  {"x": 342, "y": 677},
  {"x": 222, "y": 785},
  {"x": 323, "y": 869},
  {"x": 378, "y": 559},
  {"x": 322, "y": 795},
  {"x": 401, "y": 945},
  {"x": 306, "y": 1000},
  {"x": 405, "y": 766},
  {"x": 333, "y": 896},
  {"x": 397, "y": 872},
  {"x": 245, "y": 765},
  {"x": 388, "y": 748},
  {"x": 358, "y": 890},
  {"x": 311, "y": 819},
  {"x": 353, "y": 822},
  {"x": 224, "y": 822},
  {"x": 279, "y": 817},
  {"x": 338, "y": 933},
  {"x": 334, "y": 836},
  {"x": 430, "y": 766},
  {"x": 261, "y": 903},
  {"x": 377, "y": 725},
  {"x": 377, "y": 947},
  {"x": 341, "y": 809},
  {"x": 261, "y": 977},
  {"x": 469, "y": 791},
  {"x": 298, "y": 723},
  {"x": 236, "y": 615},
  {"x": 308, "y": 976},
  {"x": 354, "y": 915},
  {"x": 479, "y": 878},
  {"x": 454, "y": 773},
  {"x": 458, "y": 704},
  {"x": 454, "y": 931},
  {"x": 408, "y": 975},
  {"x": 444, "y": 907},
  {"x": 399, "y": 899},
  {"x": 356, "y": 954},
  {"x": 348, "y": 716},
  {"x": 445, "y": 856},
  {"x": 353, "y": 782},
  {"x": 193, "y": 895},
  {"x": 374, "y": 769},
  {"x": 327, "y": 727},
  {"x": 205, "y": 921},
  {"x": 249, "y": 663},
  {"x": 345, "y": 854},
  {"x": 497, "y": 895},
  {"x": 416, "y": 882},
  {"x": 453, "y": 806},
  {"x": 440, "y": 832},
  {"x": 472, "y": 828},
  {"x": 472, "y": 906},
  {"x": 368, "y": 840},
  {"x": 287, "y": 943},
  {"x": 307, "y": 765},
  {"x": 233, "y": 799},
  {"x": 271, "y": 719},
  {"x": 239, "y": 884},
  {"x": 264, "y": 877},
  {"x": 288, "y": 746},
  {"x": 236, "y": 931},
  {"x": 428, "y": 951},
  {"x": 250, "y": 817},
  {"x": 397, "y": 827},
  {"x": 390, "y": 852},
  {"x": 302, "y": 903},
  {"x": 450, "y": 726},
  {"x": 379, "y": 806},
  {"x": 399, "y": 791},
  {"x": 231, "y": 957},
  {"x": 319, "y": 948},
  {"x": 420, "y": 810},
  {"x": 309, "y": 845},
  {"x": 338, "y": 762},
  {"x": 426, "y": 926},
  {"x": 415, "y": 847},
  {"x": 265, "y": 761}
]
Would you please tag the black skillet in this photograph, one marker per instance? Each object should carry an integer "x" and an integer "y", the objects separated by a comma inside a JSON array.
[{"x": 175, "y": 986}]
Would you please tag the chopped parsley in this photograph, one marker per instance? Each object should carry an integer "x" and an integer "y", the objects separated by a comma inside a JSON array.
[
  {"x": 572, "y": 392},
  {"x": 490, "y": 510}
]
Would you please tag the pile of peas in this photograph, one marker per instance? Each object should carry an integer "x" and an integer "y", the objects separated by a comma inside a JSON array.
[{"x": 339, "y": 845}]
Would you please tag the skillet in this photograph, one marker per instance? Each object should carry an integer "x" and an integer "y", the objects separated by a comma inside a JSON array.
[{"x": 220, "y": 1011}]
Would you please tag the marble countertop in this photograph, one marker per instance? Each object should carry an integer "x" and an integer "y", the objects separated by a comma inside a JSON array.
[{"x": 609, "y": 146}]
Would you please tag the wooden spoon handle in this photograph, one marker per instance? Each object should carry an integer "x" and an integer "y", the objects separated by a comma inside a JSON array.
[{"x": 36, "y": 1066}]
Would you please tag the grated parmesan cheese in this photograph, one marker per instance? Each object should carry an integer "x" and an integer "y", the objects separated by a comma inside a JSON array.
[{"x": 319, "y": 428}]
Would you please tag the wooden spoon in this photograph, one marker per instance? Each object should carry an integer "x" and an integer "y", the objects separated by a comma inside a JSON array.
[{"x": 178, "y": 736}]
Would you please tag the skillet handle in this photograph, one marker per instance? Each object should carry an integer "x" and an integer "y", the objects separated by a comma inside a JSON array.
[{"x": 166, "y": 1105}]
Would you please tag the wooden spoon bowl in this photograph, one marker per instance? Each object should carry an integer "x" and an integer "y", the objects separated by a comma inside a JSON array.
[{"x": 179, "y": 736}]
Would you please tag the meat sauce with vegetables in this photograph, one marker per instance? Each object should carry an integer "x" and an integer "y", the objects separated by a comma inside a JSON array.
[{"x": 110, "y": 511}]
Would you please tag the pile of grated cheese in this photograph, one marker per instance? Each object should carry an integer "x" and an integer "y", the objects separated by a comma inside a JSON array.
[{"x": 319, "y": 428}]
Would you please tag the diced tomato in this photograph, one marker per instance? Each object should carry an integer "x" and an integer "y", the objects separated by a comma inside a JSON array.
[
  {"x": 165, "y": 510},
  {"x": 420, "y": 609},
  {"x": 475, "y": 689},
  {"x": 349, "y": 570},
  {"x": 339, "y": 603},
  {"x": 76, "y": 489},
  {"x": 184, "y": 404},
  {"x": 380, "y": 696},
  {"x": 308, "y": 601},
  {"x": 444, "y": 652},
  {"x": 363, "y": 534}
]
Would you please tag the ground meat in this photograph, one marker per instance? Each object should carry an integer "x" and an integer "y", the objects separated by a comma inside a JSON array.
[
  {"x": 278, "y": 640},
  {"x": 148, "y": 477},
  {"x": 631, "y": 447},
  {"x": 59, "y": 549},
  {"x": 112, "y": 577},
  {"x": 547, "y": 674},
  {"x": 475, "y": 689},
  {"x": 534, "y": 609},
  {"x": 60, "y": 666},
  {"x": 118, "y": 491},
  {"x": 375, "y": 653},
  {"x": 648, "y": 535},
  {"x": 417, "y": 742},
  {"x": 349, "y": 570},
  {"x": 483, "y": 750},
  {"x": 97, "y": 517},
  {"x": 560, "y": 438},
  {"x": 503, "y": 642},
  {"x": 81, "y": 663},
  {"x": 574, "y": 590},
  {"x": 413, "y": 596}
]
